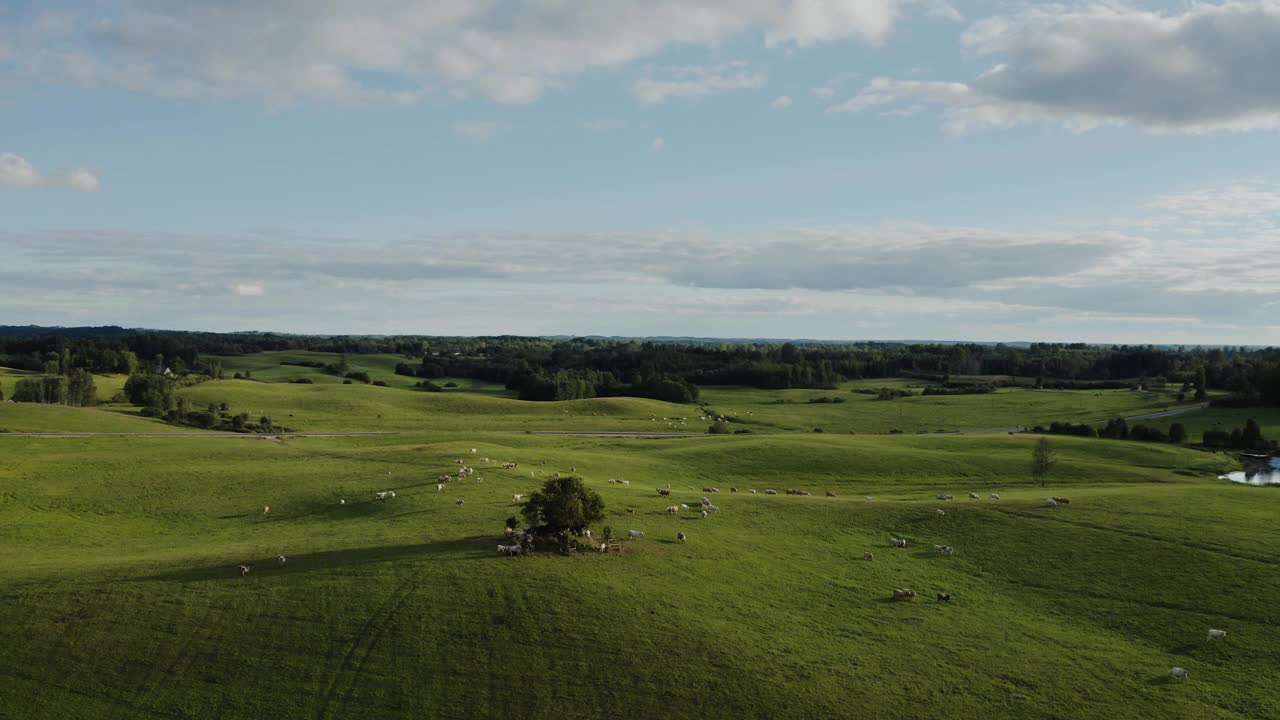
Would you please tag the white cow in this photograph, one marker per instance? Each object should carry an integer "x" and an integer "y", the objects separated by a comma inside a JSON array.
[
  {"x": 770, "y": 492},
  {"x": 244, "y": 570},
  {"x": 974, "y": 495},
  {"x": 341, "y": 501},
  {"x": 516, "y": 497},
  {"x": 704, "y": 513},
  {"x": 870, "y": 499},
  {"x": 995, "y": 496},
  {"x": 380, "y": 495},
  {"x": 439, "y": 487},
  {"x": 1051, "y": 503},
  {"x": 280, "y": 560},
  {"x": 635, "y": 534},
  {"x": 473, "y": 451},
  {"x": 897, "y": 542},
  {"x": 941, "y": 511},
  {"x": 1217, "y": 634},
  {"x": 673, "y": 509},
  {"x": 1178, "y": 674}
]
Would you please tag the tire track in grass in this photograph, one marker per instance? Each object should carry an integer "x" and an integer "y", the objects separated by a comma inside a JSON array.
[
  {"x": 343, "y": 681},
  {"x": 1139, "y": 535}
]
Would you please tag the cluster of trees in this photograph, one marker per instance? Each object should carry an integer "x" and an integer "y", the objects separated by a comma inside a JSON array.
[
  {"x": 1118, "y": 429},
  {"x": 960, "y": 389},
  {"x": 75, "y": 388},
  {"x": 1249, "y": 437}
]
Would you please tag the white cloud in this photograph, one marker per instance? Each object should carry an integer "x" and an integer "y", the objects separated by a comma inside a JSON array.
[
  {"x": 1208, "y": 68},
  {"x": 883, "y": 280},
  {"x": 17, "y": 171},
  {"x": 823, "y": 93},
  {"x": 697, "y": 81},
  {"x": 510, "y": 51},
  {"x": 658, "y": 144},
  {"x": 475, "y": 130},
  {"x": 782, "y": 102}
]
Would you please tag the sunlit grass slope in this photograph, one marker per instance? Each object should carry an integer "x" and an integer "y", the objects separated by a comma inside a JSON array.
[{"x": 119, "y": 594}]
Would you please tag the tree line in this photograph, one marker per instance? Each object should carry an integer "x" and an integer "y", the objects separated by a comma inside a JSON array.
[{"x": 541, "y": 368}]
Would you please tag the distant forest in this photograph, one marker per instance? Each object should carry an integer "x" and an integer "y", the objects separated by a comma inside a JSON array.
[{"x": 563, "y": 369}]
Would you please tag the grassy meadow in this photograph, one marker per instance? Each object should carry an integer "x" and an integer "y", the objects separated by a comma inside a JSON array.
[{"x": 120, "y": 594}]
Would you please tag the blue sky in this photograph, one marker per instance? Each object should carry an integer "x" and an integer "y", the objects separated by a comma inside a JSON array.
[{"x": 782, "y": 168}]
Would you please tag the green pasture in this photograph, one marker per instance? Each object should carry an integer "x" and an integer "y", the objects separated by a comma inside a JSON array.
[{"x": 120, "y": 594}]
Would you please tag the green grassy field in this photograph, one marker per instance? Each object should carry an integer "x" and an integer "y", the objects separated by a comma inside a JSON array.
[
  {"x": 120, "y": 594},
  {"x": 267, "y": 367},
  {"x": 791, "y": 409},
  {"x": 1196, "y": 423}
]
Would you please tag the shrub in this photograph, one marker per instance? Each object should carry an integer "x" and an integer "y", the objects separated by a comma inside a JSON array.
[
  {"x": 304, "y": 381},
  {"x": 379, "y": 383},
  {"x": 719, "y": 428}
]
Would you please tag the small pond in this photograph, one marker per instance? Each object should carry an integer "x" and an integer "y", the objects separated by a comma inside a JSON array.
[{"x": 1267, "y": 473}]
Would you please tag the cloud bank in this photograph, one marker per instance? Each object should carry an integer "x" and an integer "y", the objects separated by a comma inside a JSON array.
[{"x": 1208, "y": 68}]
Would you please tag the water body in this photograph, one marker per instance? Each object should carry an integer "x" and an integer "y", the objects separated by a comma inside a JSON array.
[{"x": 1264, "y": 474}]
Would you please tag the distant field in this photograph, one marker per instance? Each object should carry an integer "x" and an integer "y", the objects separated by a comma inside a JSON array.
[
  {"x": 122, "y": 599},
  {"x": 267, "y": 367},
  {"x": 30, "y": 417},
  {"x": 1196, "y": 423},
  {"x": 867, "y": 414}
]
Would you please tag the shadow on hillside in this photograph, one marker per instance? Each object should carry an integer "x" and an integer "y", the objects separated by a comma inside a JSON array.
[{"x": 471, "y": 548}]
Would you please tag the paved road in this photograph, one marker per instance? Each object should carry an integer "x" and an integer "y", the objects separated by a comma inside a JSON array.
[
  {"x": 247, "y": 436},
  {"x": 1168, "y": 413}
]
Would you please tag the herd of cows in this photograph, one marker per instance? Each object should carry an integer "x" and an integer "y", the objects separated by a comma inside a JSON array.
[{"x": 513, "y": 546}]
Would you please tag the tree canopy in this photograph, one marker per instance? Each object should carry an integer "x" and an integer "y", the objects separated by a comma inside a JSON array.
[{"x": 563, "y": 503}]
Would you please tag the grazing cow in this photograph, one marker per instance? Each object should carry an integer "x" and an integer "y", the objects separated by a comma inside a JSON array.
[
  {"x": 635, "y": 534},
  {"x": 587, "y": 532},
  {"x": 684, "y": 506},
  {"x": 604, "y": 547},
  {"x": 1217, "y": 634},
  {"x": 704, "y": 514},
  {"x": 707, "y": 489},
  {"x": 770, "y": 492},
  {"x": 266, "y": 509},
  {"x": 459, "y": 501},
  {"x": 341, "y": 501},
  {"x": 380, "y": 495},
  {"x": 631, "y": 511},
  {"x": 244, "y": 570},
  {"x": 870, "y": 499},
  {"x": 508, "y": 549},
  {"x": 573, "y": 469},
  {"x": 944, "y": 549},
  {"x": 995, "y": 496},
  {"x": 830, "y": 494},
  {"x": 940, "y": 511},
  {"x": 752, "y": 491},
  {"x": 974, "y": 496},
  {"x": 673, "y": 509},
  {"x": 664, "y": 491},
  {"x": 280, "y": 560},
  {"x": 733, "y": 489},
  {"x": 439, "y": 487},
  {"x": 710, "y": 507},
  {"x": 944, "y": 497},
  {"x": 944, "y": 597},
  {"x": 897, "y": 542},
  {"x": 473, "y": 451},
  {"x": 868, "y": 556},
  {"x": 680, "y": 537},
  {"x": 1178, "y": 674},
  {"x": 903, "y": 594},
  {"x": 706, "y": 500},
  {"x": 516, "y": 497},
  {"x": 1051, "y": 503},
  {"x": 457, "y": 461},
  {"x": 391, "y": 493},
  {"x": 1061, "y": 500}
]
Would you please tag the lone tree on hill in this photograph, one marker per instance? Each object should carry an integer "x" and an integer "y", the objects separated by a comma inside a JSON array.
[
  {"x": 563, "y": 504},
  {"x": 1043, "y": 458}
]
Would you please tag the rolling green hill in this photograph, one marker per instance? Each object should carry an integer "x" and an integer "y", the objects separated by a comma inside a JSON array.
[{"x": 122, "y": 596}]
